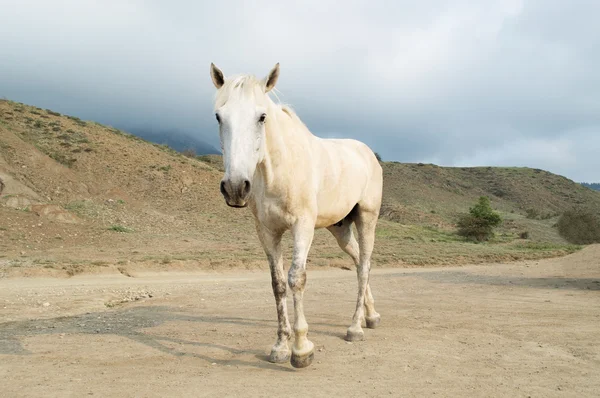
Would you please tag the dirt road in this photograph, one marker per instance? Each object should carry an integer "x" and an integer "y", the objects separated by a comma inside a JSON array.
[{"x": 523, "y": 329}]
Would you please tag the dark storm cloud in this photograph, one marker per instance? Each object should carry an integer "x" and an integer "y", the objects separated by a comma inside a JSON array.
[{"x": 451, "y": 82}]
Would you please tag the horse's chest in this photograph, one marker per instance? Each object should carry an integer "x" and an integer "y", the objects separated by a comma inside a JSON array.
[{"x": 274, "y": 213}]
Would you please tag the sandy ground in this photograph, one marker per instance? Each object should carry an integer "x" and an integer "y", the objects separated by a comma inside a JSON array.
[{"x": 514, "y": 330}]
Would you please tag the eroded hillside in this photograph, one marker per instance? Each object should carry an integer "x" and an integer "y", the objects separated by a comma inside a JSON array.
[{"x": 78, "y": 195}]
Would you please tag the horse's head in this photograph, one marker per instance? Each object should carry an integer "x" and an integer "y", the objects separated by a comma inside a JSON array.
[{"x": 241, "y": 109}]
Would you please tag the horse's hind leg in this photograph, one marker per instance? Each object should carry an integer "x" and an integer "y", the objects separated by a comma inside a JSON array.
[
  {"x": 366, "y": 221},
  {"x": 372, "y": 318},
  {"x": 345, "y": 238}
]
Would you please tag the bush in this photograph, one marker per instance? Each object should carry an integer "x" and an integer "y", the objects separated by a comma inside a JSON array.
[
  {"x": 378, "y": 156},
  {"x": 532, "y": 214},
  {"x": 480, "y": 222},
  {"x": 579, "y": 226},
  {"x": 189, "y": 153},
  {"x": 120, "y": 228},
  {"x": 524, "y": 235},
  {"x": 535, "y": 214}
]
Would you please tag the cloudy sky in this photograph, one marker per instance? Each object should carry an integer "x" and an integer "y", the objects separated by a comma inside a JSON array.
[{"x": 452, "y": 82}]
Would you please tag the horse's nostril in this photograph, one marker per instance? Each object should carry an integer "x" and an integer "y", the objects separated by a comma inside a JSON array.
[
  {"x": 223, "y": 190},
  {"x": 246, "y": 188}
]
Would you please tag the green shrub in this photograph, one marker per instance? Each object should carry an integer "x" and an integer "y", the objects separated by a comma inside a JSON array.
[
  {"x": 120, "y": 228},
  {"x": 480, "y": 222},
  {"x": 77, "y": 120},
  {"x": 532, "y": 214},
  {"x": 579, "y": 226}
]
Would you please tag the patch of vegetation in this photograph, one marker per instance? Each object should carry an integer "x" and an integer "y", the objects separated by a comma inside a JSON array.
[
  {"x": 189, "y": 153},
  {"x": 479, "y": 223},
  {"x": 120, "y": 228},
  {"x": 38, "y": 124},
  {"x": 593, "y": 185},
  {"x": 165, "y": 168},
  {"x": 579, "y": 226},
  {"x": 534, "y": 214},
  {"x": 77, "y": 120},
  {"x": 82, "y": 208},
  {"x": 213, "y": 160},
  {"x": 547, "y": 247},
  {"x": 74, "y": 137},
  {"x": 49, "y": 112},
  {"x": 62, "y": 159}
]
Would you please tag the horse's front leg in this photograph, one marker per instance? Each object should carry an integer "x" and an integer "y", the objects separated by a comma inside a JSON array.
[
  {"x": 271, "y": 243},
  {"x": 303, "y": 349}
]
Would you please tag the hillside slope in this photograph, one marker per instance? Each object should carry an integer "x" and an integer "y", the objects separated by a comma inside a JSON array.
[
  {"x": 528, "y": 199},
  {"x": 76, "y": 193}
]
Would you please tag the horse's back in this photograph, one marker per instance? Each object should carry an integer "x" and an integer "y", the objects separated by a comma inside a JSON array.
[{"x": 355, "y": 155}]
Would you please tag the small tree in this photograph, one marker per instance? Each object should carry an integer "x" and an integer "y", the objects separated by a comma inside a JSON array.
[
  {"x": 579, "y": 226},
  {"x": 480, "y": 222},
  {"x": 378, "y": 156}
]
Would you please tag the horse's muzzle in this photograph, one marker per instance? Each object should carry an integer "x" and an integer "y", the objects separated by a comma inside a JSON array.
[{"x": 236, "y": 193}]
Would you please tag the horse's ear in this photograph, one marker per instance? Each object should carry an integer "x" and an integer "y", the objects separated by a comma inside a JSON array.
[
  {"x": 271, "y": 80},
  {"x": 217, "y": 76}
]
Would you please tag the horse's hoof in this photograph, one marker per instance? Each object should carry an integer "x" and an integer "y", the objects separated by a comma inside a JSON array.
[
  {"x": 279, "y": 356},
  {"x": 373, "y": 322},
  {"x": 302, "y": 361},
  {"x": 303, "y": 358},
  {"x": 355, "y": 335}
]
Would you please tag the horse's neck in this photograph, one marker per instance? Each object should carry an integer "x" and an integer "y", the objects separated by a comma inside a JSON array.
[{"x": 279, "y": 155}]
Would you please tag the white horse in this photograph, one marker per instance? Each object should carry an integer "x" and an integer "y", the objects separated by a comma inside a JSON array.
[{"x": 293, "y": 180}]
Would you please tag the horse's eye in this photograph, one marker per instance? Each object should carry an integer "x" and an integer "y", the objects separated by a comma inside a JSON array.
[
  {"x": 262, "y": 118},
  {"x": 218, "y": 117}
]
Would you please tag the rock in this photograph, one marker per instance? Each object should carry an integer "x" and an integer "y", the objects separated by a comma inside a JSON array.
[
  {"x": 46, "y": 304},
  {"x": 17, "y": 202},
  {"x": 55, "y": 213}
]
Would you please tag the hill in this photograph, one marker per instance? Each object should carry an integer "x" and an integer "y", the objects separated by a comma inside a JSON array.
[
  {"x": 78, "y": 195},
  {"x": 528, "y": 199},
  {"x": 594, "y": 185},
  {"x": 178, "y": 141}
]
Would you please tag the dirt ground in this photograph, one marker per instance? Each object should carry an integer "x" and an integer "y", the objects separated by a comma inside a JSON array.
[{"x": 515, "y": 330}]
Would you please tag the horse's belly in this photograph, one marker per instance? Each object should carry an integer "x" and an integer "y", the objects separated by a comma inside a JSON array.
[{"x": 333, "y": 211}]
